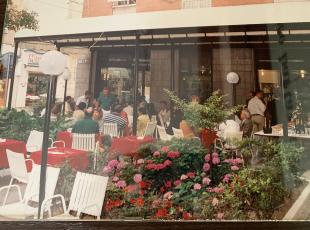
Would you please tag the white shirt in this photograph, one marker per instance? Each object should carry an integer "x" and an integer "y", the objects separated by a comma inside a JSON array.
[
  {"x": 129, "y": 110},
  {"x": 256, "y": 106},
  {"x": 82, "y": 99}
]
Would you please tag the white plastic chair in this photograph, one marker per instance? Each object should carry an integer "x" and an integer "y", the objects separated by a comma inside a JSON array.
[
  {"x": 35, "y": 141},
  {"x": 163, "y": 134},
  {"x": 87, "y": 196},
  {"x": 86, "y": 142},
  {"x": 178, "y": 133},
  {"x": 110, "y": 129},
  {"x": 150, "y": 129},
  {"x": 22, "y": 209},
  {"x": 18, "y": 169}
]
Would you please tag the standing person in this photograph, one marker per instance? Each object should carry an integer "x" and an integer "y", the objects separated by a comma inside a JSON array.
[
  {"x": 257, "y": 109},
  {"x": 115, "y": 117},
  {"x": 68, "y": 105},
  {"x": 143, "y": 119},
  {"x": 85, "y": 98},
  {"x": 246, "y": 125},
  {"x": 86, "y": 125},
  {"x": 251, "y": 95},
  {"x": 106, "y": 99},
  {"x": 164, "y": 114}
]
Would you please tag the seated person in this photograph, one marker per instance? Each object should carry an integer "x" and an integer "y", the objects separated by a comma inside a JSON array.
[
  {"x": 87, "y": 125},
  {"x": 188, "y": 132},
  {"x": 79, "y": 114},
  {"x": 246, "y": 125},
  {"x": 97, "y": 116},
  {"x": 143, "y": 119},
  {"x": 115, "y": 117},
  {"x": 164, "y": 114}
]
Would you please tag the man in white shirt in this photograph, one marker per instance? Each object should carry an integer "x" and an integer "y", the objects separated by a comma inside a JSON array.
[
  {"x": 85, "y": 98},
  {"x": 257, "y": 109}
]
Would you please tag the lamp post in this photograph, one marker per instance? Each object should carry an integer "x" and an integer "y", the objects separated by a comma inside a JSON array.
[
  {"x": 233, "y": 79},
  {"x": 53, "y": 63},
  {"x": 66, "y": 76}
]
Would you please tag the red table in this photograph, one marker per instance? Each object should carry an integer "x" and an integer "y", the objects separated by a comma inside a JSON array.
[
  {"x": 13, "y": 145},
  {"x": 128, "y": 146},
  {"x": 78, "y": 159}
]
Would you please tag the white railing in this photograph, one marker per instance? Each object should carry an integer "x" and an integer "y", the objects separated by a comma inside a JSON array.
[{"x": 188, "y": 4}]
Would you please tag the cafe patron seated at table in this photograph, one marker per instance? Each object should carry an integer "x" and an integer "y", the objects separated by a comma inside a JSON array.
[{"x": 86, "y": 125}]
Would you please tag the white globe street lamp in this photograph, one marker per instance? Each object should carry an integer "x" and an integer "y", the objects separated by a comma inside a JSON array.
[
  {"x": 52, "y": 63},
  {"x": 233, "y": 79}
]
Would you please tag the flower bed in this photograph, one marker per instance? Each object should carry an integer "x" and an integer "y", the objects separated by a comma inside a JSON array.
[{"x": 181, "y": 180}]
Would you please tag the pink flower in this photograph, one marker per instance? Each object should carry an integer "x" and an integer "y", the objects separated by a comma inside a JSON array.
[
  {"x": 156, "y": 154},
  {"x": 206, "y": 167},
  {"x": 191, "y": 175},
  {"x": 121, "y": 165},
  {"x": 226, "y": 178},
  {"x": 215, "y": 202},
  {"x": 215, "y": 154},
  {"x": 113, "y": 163},
  {"x": 107, "y": 169},
  {"x": 121, "y": 184},
  {"x": 184, "y": 177},
  {"x": 197, "y": 186},
  {"x": 167, "y": 163},
  {"x": 173, "y": 154},
  {"x": 207, "y": 157},
  {"x": 220, "y": 215},
  {"x": 234, "y": 168},
  {"x": 159, "y": 167},
  {"x": 239, "y": 161},
  {"x": 149, "y": 162},
  {"x": 218, "y": 190},
  {"x": 165, "y": 149},
  {"x": 177, "y": 183},
  {"x": 168, "y": 184},
  {"x": 206, "y": 181},
  {"x": 137, "y": 178},
  {"x": 151, "y": 166},
  {"x": 115, "y": 179},
  {"x": 140, "y": 161},
  {"x": 216, "y": 160},
  {"x": 168, "y": 195}
]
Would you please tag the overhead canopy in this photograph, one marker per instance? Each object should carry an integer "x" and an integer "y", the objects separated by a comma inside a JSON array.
[{"x": 213, "y": 24}]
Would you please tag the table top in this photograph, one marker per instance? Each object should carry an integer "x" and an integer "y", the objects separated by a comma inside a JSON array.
[{"x": 280, "y": 134}]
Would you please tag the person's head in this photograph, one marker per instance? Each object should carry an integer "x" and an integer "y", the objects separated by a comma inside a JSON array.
[
  {"x": 97, "y": 114},
  {"x": 259, "y": 94},
  {"x": 142, "y": 111},
  {"x": 252, "y": 94},
  {"x": 105, "y": 91},
  {"x": 245, "y": 114},
  {"x": 68, "y": 98},
  {"x": 89, "y": 112},
  {"x": 87, "y": 94},
  {"x": 163, "y": 105},
  {"x": 82, "y": 106},
  {"x": 117, "y": 109}
]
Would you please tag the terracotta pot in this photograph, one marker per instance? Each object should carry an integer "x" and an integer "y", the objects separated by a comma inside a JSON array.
[{"x": 208, "y": 137}]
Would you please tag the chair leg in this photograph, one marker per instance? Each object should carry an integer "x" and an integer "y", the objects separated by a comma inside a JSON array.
[{"x": 7, "y": 191}]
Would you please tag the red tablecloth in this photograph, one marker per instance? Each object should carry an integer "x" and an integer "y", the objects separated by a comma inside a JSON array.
[
  {"x": 13, "y": 145},
  {"x": 78, "y": 159},
  {"x": 128, "y": 146}
]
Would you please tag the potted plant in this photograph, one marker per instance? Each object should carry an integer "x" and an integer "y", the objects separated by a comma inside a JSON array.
[{"x": 204, "y": 118}]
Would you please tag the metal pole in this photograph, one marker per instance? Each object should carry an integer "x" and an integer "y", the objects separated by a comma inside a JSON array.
[
  {"x": 65, "y": 94},
  {"x": 13, "y": 76},
  {"x": 136, "y": 85},
  {"x": 45, "y": 142},
  {"x": 7, "y": 78}
]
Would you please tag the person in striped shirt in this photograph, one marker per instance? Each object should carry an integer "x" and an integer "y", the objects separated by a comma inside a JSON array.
[{"x": 115, "y": 117}]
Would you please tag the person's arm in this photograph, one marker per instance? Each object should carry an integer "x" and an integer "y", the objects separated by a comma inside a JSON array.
[{"x": 261, "y": 106}]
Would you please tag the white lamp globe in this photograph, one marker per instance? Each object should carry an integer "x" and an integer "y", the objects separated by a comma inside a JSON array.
[
  {"x": 53, "y": 63},
  {"x": 66, "y": 74},
  {"x": 232, "y": 78}
]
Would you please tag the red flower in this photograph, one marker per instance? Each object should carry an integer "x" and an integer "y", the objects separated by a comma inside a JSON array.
[
  {"x": 161, "y": 213},
  {"x": 149, "y": 162},
  {"x": 132, "y": 201},
  {"x": 144, "y": 184},
  {"x": 167, "y": 163},
  {"x": 177, "y": 183},
  {"x": 165, "y": 149},
  {"x": 191, "y": 175},
  {"x": 140, "y": 202},
  {"x": 142, "y": 192},
  {"x": 173, "y": 154},
  {"x": 186, "y": 215},
  {"x": 162, "y": 189},
  {"x": 168, "y": 184}
]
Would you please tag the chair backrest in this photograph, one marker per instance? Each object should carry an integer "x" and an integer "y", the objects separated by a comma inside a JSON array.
[
  {"x": 162, "y": 133},
  {"x": 178, "y": 133},
  {"x": 17, "y": 166},
  {"x": 86, "y": 142},
  {"x": 33, "y": 185},
  {"x": 35, "y": 141},
  {"x": 150, "y": 129},
  {"x": 110, "y": 129},
  {"x": 233, "y": 137},
  {"x": 88, "y": 194}
]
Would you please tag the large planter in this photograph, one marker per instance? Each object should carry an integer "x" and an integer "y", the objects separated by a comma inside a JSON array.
[{"x": 208, "y": 137}]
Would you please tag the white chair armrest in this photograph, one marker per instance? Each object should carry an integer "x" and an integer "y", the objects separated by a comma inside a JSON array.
[
  {"x": 64, "y": 144},
  {"x": 8, "y": 187},
  {"x": 44, "y": 203}
]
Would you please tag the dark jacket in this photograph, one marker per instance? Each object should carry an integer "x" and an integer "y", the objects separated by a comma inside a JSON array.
[{"x": 247, "y": 127}]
